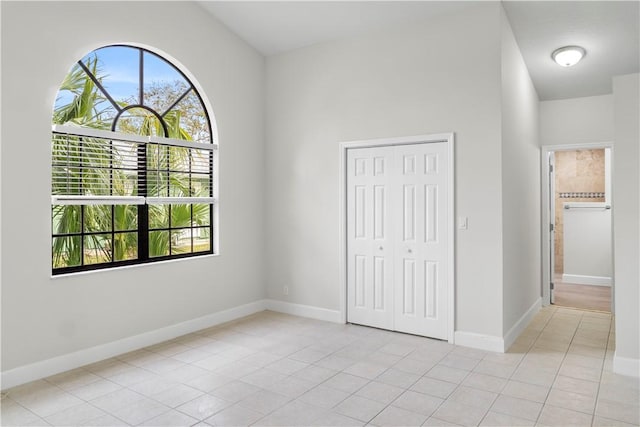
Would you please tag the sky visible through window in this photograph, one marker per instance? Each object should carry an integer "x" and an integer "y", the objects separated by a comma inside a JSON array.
[
  {"x": 119, "y": 67},
  {"x": 169, "y": 103},
  {"x": 99, "y": 235}
]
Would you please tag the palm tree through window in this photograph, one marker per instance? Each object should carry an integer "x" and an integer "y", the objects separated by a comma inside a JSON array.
[{"x": 132, "y": 163}]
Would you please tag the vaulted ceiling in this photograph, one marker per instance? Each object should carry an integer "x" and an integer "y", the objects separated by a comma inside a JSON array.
[{"x": 608, "y": 30}]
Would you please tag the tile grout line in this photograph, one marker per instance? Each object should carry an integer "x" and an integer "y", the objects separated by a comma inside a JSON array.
[
  {"x": 597, "y": 398},
  {"x": 369, "y": 381},
  {"x": 333, "y": 353},
  {"x": 518, "y": 366},
  {"x": 555, "y": 378},
  {"x": 354, "y": 393},
  {"x": 304, "y": 334},
  {"x": 592, "y": 414},
  {"x": 425, "y": 374},
  {"x": 24, "y": 407}
]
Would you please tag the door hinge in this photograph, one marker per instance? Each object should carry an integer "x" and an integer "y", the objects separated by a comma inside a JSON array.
[
  {"x": 552, "y": 286},
  {"x": 551, "y": 227},
  {"x": 551, "y": 168}
]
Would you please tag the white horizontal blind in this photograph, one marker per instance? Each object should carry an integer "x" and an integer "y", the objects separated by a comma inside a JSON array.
[
  {"x": 97, "y": 200},
  {"x": 92, "y": 166}
]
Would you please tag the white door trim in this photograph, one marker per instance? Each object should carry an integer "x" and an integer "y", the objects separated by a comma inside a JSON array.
[
  {"x": 546, "y": 218},
  {"x": 342, "y": 192}
]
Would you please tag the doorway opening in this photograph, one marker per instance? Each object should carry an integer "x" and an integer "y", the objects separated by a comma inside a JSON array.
[{"x": 579, "y": 234}]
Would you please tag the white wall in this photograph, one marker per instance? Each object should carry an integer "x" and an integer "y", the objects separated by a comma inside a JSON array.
[
  {"x": 626, "y": 214},
  {"x": 587, "y": 244},
  {"x": 398, "y": 82},
  {"x": 44, "y": 317},
  {"x": 576, "y": 120},
  {"x": 520, "y": 186}
]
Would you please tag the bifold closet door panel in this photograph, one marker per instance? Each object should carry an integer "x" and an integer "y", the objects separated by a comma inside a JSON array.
[
  {"x": 369, "y": 246},
  {"x": 420, "y": 239},
  {"x": 397, "y": 242}
]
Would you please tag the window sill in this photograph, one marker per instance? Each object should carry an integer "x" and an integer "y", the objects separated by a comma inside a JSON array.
[{"x": 132, "y": 266}]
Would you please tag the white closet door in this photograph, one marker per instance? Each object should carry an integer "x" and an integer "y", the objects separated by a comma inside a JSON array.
[
  {"x": 420, "y": 237},
  {"x": 369, "y": 248}
]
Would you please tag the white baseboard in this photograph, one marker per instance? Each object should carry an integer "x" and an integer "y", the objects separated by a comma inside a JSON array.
[
  {"x": 65, "y": 362},
  {"x": 577, "y": 279},
  {"x": 55, "y": 365},
  {"x": 626, "y": 366},
  {"x": 309, "y": 311},
  {"x": 521, "y": 324},
  {"x": 479, "y": 341}
]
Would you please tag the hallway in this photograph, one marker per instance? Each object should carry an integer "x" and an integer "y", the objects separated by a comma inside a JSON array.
[{"x": 585, "y": 297}]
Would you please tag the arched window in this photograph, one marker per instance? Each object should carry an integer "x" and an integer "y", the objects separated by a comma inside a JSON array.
[{"x": 133, "y": 158}]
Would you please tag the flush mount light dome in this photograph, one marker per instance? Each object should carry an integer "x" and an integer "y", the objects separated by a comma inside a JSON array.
[{"x": 568, "y": 56}]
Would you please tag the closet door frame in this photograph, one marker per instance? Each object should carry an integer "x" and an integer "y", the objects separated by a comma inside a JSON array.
[{"x": 449, "y": 138}]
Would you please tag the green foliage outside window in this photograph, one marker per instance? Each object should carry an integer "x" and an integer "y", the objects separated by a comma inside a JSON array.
[{"x": 99, "y": 234}]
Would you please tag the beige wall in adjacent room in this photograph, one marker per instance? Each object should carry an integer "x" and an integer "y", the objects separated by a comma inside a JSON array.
[{"x": 580, "y": 171}]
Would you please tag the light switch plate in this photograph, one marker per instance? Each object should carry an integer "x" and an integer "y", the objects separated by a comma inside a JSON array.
[{"x": 463, "y": 222}]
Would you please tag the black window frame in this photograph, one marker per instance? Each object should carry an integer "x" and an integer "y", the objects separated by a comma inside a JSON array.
[{"x": 143, "y": 230}]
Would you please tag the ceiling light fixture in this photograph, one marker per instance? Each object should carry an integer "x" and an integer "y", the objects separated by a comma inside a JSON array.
[{"x": 568, "y": 56}]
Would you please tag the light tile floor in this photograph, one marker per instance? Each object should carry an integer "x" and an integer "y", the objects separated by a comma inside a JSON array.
[{"x": 272, "y": 369}]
